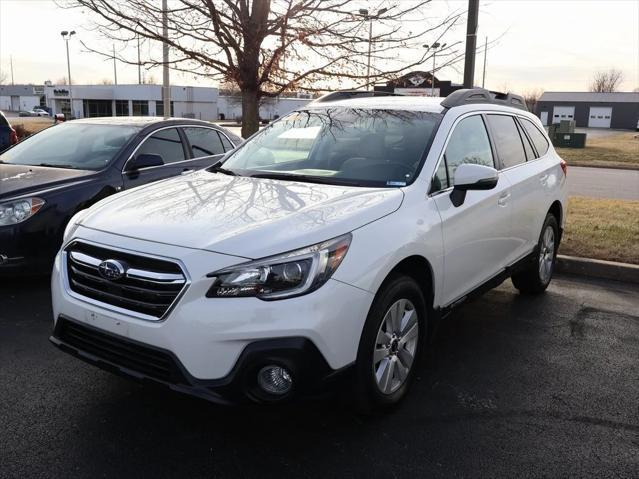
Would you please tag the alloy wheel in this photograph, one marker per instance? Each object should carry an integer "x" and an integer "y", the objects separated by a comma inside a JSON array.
[
  {"x": 546, "y": 254},
  {"x": 395, "y": 346}
]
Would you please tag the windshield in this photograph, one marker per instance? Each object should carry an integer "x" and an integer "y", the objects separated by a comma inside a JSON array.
[
  {"x": 79, "y": 146},
  {"x": 362, "y": 147}
]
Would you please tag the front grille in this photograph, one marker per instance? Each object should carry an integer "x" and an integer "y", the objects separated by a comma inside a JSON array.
[
  {"x": 148, "y": 286},
  {"x": 120, "y": 352}
]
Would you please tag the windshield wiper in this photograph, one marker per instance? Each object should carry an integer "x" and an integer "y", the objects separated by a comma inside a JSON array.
[
  {"x": 58, "y": 165},
  {"x": 217, "y": 168},
  {"x": 325, "y": 180}
]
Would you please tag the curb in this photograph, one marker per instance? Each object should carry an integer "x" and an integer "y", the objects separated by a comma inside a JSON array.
[{"x": 597, "y": 268}]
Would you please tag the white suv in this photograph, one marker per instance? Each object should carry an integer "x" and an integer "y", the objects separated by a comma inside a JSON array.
[{"x": 331, "y": 242}]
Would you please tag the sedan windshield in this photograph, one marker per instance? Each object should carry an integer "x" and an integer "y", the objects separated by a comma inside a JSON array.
[
  {"x": 80, "y": 146},
  {"x": 362, "y": 147}
]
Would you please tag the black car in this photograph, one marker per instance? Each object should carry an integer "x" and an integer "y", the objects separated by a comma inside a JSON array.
[
  {"x": 50, "y": 176},
  {"x": 8, "y": 135}
]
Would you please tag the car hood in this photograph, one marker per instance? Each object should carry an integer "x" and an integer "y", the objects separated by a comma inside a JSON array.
[
  {"x": 241, "y": 216},
  {"x": 16, "y": 180}
]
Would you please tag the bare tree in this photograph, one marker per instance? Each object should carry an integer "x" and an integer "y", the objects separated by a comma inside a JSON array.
[
  {"x": 149, "y": 79},
  {"x": 531, "y": 97},
  {"x": 267, "y": 47},
  {"x": 3, "y": 77},
  {"x": 606, "y": 81},
  {"x": 106, "y": 81}
]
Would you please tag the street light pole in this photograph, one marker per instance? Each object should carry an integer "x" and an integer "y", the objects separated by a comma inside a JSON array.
[
  {"x": 166, "y": 89},
  {"x": 66, "y": 35},
  {"x": 364, "y": 12},
  {"x": 434, "y": 47}
]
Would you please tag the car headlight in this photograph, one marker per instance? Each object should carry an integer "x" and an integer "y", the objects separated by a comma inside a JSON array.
[
  {"x": 16, "y": 211},
  {"x": 282, "y": 276}
]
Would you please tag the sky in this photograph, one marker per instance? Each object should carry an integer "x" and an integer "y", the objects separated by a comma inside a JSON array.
[{"x": 553, "y": 45}]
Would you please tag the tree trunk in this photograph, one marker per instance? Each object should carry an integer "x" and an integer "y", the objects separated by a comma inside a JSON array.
[{"x": 250, "y": 112}]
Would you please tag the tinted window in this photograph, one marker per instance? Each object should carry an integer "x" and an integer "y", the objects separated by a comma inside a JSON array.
[
  {"x": 468, "y": 144},
  {"x": 165, "y": 143},
  {"x": 228, "y": 146},
  {"x": 204, "y": 141},
  {"x": 530, "y": 154},
  {"x": 538, "y": 138},
  {"x": 363, "y": 147},
  {"x": 80, "y": 146},
  {"x": 507, "y": 140}
]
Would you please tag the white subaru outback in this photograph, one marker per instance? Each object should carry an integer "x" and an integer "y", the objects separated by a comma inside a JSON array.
[{"x": 330, "y": 243}]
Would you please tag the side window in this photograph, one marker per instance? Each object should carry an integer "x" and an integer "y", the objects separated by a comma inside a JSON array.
[
  {"x": 204, "y": 141},
  {"x": 507, "y": 140},
  {"x": 166, "y": 143},
  {"x": 228, "y": 146},
  {"x": 537, "y": 137},
  {"x": 530, "y": 153},
  {"x": 468, "y": 144}
]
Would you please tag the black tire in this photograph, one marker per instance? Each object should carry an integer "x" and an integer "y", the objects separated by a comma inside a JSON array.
[
  {"x": 369, "y": 397},
  {"x": 532, "y": 280}
]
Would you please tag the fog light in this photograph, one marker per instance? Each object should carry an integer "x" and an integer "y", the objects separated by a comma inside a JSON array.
[{"x": 275, "y": 379}]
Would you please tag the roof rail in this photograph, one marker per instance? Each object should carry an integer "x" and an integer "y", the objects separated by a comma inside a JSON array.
[
  {"x": 347, "y": 94},
  {"x": 480, "y": 95}
]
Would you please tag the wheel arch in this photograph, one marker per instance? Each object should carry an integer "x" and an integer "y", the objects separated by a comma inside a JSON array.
[{"x": 420, "y": 269}]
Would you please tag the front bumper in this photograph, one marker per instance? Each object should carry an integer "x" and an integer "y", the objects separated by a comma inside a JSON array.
[
  {"x": 28, "y": 247},
  {"x": 217, "y": 344}
]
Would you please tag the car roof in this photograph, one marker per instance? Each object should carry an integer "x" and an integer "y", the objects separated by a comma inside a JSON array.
[
  {"x": 141, "y": 121},
  {"x": 412, "y": 103}
]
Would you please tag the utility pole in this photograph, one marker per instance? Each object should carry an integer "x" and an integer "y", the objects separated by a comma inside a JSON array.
[
  {"x": 166, "y": 89},
  {"x": 139, "y": 63},
  {"x": 483, "y": 77},
  {"x": 471, "y": 43},
  {"x": 434, "y": 47},
  {"x": 115, "y": 69},
  {"x": 11, "y": 62}
]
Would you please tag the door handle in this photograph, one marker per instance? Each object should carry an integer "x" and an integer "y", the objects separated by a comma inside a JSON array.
[{"x": 503, "y": 199}]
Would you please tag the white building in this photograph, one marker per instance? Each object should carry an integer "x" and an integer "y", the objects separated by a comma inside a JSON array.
[
  {"x": 230, "y": 107},
  {"x": 20, "y": 97},
  {"x": 132, "y": 100}
]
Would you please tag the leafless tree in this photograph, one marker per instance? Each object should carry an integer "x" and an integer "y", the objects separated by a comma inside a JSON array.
[
  {"x": 3, "y": 77},
  {"x": 106, "y": 81},
  {"x": 149, "y": 79},
  {"x": 267, "y": 47},
  {"x": 606, "y": 81},
  {"x": 531, "y": 97}
]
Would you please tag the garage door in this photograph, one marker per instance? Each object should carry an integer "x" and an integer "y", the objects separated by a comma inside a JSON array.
[
  {"x": 600, "y": 116},
  {"x": 563, "y": 113}
]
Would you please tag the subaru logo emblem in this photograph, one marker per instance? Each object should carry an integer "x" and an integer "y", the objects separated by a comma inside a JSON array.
[{"x": 111, "y": 269}]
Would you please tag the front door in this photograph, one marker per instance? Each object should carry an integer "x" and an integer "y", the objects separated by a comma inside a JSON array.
[
  {"x": 477, "y": 234},
  {"x": 168, "y": 144}
]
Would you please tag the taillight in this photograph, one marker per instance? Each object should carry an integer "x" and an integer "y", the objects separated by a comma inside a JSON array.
[
  {"x": 13, "y": 137},
  {"x": 564, "y": 167}
]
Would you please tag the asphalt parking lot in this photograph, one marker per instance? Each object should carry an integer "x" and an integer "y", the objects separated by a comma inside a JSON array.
[{"x": 513, "y": 387}]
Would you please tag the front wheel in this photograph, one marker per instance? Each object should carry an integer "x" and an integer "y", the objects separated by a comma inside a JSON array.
[
  {"x": 536, "y": 277},
  {"x": 390, "y": 344}
]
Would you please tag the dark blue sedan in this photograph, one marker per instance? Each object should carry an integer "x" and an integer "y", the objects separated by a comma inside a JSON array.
[{"x": 48, "y": 177}]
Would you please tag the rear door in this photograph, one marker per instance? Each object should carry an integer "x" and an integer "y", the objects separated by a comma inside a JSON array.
[
  {"x": 206, "y": 146},
  {"x": 476, "y": 234},
  {"x": 166, "y": 142}
]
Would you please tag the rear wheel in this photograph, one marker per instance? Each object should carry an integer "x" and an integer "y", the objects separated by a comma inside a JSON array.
[
  {"x": 536, "y": 277},
  {"x": 391, "y": 344}
]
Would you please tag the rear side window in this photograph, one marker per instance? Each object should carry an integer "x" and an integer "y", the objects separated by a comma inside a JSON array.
[
  {"x": 228, "y": 146},
  {"x": 468, "y": 144},
  {"x": 204, "y": 141},
  {"x": 507, "y": 140},
  {"x": 537, "y": 137},
  {"x": 166, "y": 143},
  {"x": 530, "y": 153}
]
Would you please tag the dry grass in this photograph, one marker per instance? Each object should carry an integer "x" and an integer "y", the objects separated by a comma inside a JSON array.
[
  {"x": 618, "y": 150},
  {"x": 602, "y": 229},
  {"x": 30, "y": 125}
]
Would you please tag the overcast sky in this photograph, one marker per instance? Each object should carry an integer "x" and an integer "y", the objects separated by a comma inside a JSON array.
[{"x": 549, "y": 44}]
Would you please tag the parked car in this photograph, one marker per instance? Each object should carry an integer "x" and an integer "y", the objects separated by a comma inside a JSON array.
[
  {"x": 326, "y": 247},
  {"x": 52, "y": 175},
  {"x": 39, "y": 112},
  {"x": 8, "y": 135}
]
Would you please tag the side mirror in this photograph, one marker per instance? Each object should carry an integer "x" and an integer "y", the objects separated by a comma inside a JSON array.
[
  {"x": 472, "y": 177},
  {"x": 145, "y": 160}
]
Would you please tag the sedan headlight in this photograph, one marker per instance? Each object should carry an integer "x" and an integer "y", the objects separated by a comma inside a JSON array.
[
  {"x": 282, "y": 276},
  {"x": 16, "y": 211}
]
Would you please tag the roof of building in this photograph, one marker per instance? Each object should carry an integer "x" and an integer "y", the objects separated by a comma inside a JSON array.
[
  {"x": 17, "y": 90},
  {"x": 414, "y": 103},
  {"x": 590, "y": 97}
]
